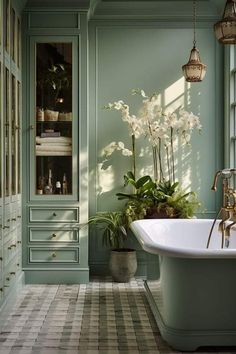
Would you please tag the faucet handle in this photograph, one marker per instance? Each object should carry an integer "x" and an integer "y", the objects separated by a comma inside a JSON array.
[{"x": 226, "y": 173}]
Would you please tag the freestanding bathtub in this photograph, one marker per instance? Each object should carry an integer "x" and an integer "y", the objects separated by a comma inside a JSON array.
[{"x": 194, "y": 301}]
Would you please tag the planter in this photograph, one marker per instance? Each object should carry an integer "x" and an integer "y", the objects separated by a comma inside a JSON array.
[
  {"x": 123, "y": 264},
  {"x": 153, "y": 213}
]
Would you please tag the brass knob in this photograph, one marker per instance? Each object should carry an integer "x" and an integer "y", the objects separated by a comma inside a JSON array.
[
  {"x": 9, "y": 248},
  {"x": 31, "y": 127},
  {"x": 8, "y": 220},
  {"x": 18, "y": 241},
  {"x": 54, "y": 254},
  {"x": 0, "y": 258},
  {"x": 18, "y": 264},
  {"x": 7, "y": 278},
  {"x": 1, "y": 289},
  {"x": 54, "y": 214},
  {"x": 54, "y": 235}
]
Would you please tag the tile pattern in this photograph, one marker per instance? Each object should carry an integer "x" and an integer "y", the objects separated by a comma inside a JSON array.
[{"x": 100, "y": 317}]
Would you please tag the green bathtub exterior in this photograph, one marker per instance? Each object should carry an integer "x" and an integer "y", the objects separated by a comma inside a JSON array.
[{"x": 194, "y": 302}]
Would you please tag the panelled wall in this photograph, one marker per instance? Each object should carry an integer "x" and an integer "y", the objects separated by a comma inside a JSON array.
[
  {"x": 149, "y": 55},
  {"x": 11, "y": 276}
]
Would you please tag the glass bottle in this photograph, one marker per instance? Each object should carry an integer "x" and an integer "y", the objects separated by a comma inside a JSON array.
[
  {"x": 58, "y": 187},
  {"x": 64, "y": 185}
]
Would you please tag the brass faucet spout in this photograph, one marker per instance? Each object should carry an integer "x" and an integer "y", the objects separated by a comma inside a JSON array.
[{"x": 218, "y": 173}]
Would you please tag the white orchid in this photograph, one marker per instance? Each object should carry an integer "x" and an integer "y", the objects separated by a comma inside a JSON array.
[
  {"x": 159, "y": 127},
  {"x": 113, "y": 146},
  {"x": 110, "y": 148}
]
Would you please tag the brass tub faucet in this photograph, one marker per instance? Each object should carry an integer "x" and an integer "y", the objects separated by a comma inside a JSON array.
[{"x": 227, "y": 212}]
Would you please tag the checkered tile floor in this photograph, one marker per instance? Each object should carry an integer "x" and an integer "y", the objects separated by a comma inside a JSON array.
[{"x": 100, "y": 317}]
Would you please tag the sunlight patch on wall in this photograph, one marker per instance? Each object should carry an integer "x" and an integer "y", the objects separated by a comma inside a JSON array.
[
  {"x": 106, "y": 179},
  {"x": 175, "y": 95}
]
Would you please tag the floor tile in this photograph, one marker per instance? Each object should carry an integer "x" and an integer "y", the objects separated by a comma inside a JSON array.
[{"x": 99, "y": 317}]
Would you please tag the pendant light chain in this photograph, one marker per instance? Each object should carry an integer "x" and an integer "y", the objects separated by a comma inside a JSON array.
[{"x": 194, "y": 23}]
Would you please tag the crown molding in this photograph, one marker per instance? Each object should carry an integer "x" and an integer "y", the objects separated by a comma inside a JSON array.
[
  {"x": 57, "y": 5},
  {"x": 173, "y": 10},
  {"x": 207, "y": 10}
]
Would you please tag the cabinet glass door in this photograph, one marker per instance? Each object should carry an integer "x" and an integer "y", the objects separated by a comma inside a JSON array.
[
  {"x": 7, "y": 134},
  {"x": 13, "y": 136},
  {"x": 53, "y": 119},
  {"x": 18, "y": 138}
]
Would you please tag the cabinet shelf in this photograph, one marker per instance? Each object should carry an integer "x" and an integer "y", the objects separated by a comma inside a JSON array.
[{"x": 53, "y": 121}]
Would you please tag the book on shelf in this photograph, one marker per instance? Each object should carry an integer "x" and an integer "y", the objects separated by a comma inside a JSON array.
[{"x": 50, "y": 134}]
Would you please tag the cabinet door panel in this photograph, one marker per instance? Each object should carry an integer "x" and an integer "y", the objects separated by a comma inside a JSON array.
[
  {"x": 54, "y": 215},
  {"x": 53, "y": 235},
  {"x": 54, "y": 255}
]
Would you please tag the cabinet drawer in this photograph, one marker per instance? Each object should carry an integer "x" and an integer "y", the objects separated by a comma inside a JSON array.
[
  {"x": 53, "y": 235},
  {"x": 54, "y": 214},
  {"x": 53, "y": 255}
]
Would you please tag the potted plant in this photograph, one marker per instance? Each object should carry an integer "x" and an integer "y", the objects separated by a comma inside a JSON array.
[
  {"x": 152, "y": 200},
  {"x": 123, "y": 261}
]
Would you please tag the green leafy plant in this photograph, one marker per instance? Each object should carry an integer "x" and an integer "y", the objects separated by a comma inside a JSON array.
[
  {"x": 114, "y": 226},
  {"x": 163, "y": 199}
]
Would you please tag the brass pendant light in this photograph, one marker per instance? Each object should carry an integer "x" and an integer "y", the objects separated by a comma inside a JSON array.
[
  {"x": 194, "y": 70},
  {"x": 225, "y": 30}
]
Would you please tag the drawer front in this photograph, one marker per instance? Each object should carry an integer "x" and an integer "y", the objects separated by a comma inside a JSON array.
[
  {"x": 54, "y": 215},
  {"x": 53, "y": 235},
  {"x": 53, "y": 255}
]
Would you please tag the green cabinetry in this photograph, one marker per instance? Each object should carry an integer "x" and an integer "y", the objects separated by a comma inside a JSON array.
[
  {"x": 11, "y": 275},
  {"x": 55, "y": 147}
]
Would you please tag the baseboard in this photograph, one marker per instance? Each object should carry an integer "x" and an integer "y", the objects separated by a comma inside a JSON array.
[
  {"x": 56, "y": 276},
  {"x": 102, "y": 269}
]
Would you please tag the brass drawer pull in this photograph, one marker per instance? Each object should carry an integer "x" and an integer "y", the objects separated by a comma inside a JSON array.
[
  {"x": 54, "y": 254},
  {"x": 54, "y": 235},
  {"x": 13, "y": 219},
  {"x": 14, "y": 245},
  {"x": 9, "y": 248},
  {"x": 6, "y": 227},
  {"x": 12, "y": 273},
  {"x": 18, "y": 241},
  {"x": 54, "y": 214},
  {"x": 19, "y": 216}
]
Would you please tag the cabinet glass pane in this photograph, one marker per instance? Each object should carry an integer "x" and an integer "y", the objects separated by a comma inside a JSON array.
[
  {"x": 18, "y": 137},
  {"x": 13, "y": 135},
  {"x": 6, "y": 135},
  {"x": 53, "y": 140},
  {"x": 1, "y": 132},
  {"x": 13, "y": 34},
  {"x": 7, "y": 24},
  {"x": 18, "y": 41}
]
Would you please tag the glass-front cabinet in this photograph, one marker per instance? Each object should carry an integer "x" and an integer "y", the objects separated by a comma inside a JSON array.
[{"x": 54, "y": 121}]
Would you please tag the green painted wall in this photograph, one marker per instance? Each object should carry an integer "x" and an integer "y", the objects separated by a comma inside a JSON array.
[{"x": 149, "y": 55}]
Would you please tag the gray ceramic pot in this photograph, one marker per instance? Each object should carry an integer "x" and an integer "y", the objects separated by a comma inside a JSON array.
[{"x": 123, "y": 264}]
